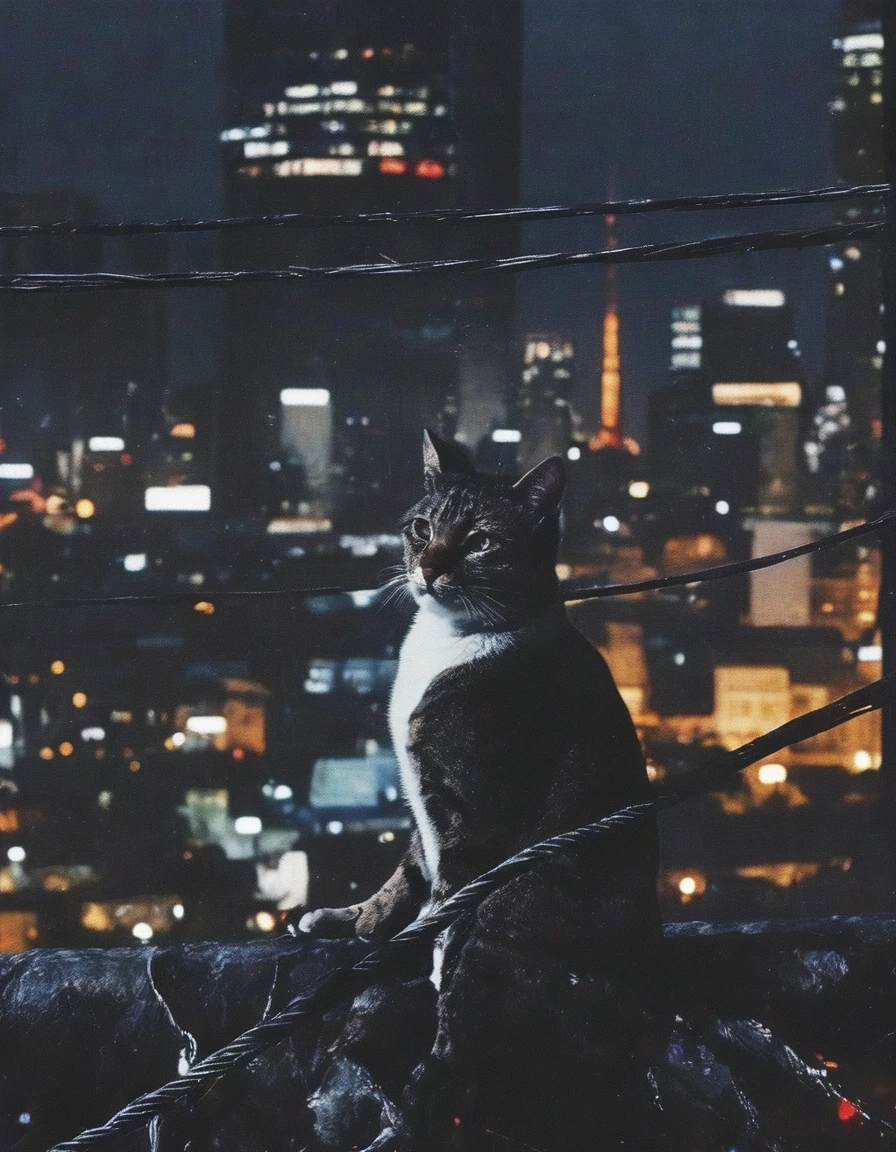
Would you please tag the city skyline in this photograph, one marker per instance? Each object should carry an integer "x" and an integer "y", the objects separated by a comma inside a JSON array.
[{"x": 262, "y": 440}]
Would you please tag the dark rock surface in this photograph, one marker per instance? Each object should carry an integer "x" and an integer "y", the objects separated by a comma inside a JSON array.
[{"x": 783, "y": 1036}]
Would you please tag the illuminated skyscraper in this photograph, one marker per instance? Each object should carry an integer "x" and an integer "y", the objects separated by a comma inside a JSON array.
[
  {"x": 854, "y": 350},
  {"x": 539, "y": 408},
  {"x": 728, "y": 425},
  {"x": 354, "y": 108}
]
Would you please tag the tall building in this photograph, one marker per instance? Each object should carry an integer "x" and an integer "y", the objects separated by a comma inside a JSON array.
[
  {"x": 728, "y": 425},
  {"x": 539, "y": 406},
  {"x": 854, "y": 349},
  {"x": 347, "y": 109},
  {"x": 609, "y": 434}
]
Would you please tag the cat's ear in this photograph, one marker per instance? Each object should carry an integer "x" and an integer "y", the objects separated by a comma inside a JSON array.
[
  {"x": 443, "y": 456},
  {"x": 542, "y": 487}
]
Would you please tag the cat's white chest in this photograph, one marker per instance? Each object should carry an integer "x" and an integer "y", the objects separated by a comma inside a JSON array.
[{"x": 430, "y": 648}]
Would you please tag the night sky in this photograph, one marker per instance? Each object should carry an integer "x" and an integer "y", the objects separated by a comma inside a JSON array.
[{"x": 119, "y": 98}]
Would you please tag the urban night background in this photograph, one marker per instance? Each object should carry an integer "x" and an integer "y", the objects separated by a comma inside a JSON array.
[{"x": 188, "y": 771}]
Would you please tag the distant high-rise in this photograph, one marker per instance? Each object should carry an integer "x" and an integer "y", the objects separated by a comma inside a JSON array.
[
  {"x": 854, "y": 348},
  {"x": 354, "y": 108},
  {"x": 539, "y": 406},
  {"x": 728, "y": 425}
]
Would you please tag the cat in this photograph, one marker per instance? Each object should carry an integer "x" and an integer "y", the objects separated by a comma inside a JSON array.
[{"x": 508, "y": 728}]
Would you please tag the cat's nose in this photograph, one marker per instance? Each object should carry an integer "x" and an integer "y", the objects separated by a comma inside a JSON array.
[{"x": 435, "y": 576}]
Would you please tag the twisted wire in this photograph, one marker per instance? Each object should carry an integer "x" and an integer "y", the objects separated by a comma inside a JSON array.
[
  {"x": 601, "y": 591},
  {"x": 458, "y": 215},
  {"x": 637, "y": 254},
  {"x": 411, "y": 943}
]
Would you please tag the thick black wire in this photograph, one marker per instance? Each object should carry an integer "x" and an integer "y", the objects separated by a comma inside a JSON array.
[
  {"x": 641, "y": 253},
  {"x": 718, "y": 572},
  {"x": 459, "y": 215},
  {"x": 410, "y": 944}
]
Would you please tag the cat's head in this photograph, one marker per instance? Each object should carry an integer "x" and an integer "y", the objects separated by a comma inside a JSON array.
[{"x": 481, "y": 548}]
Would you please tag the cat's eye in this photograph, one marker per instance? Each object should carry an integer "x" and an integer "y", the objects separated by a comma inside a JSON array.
[
  {"x": 478, "y": 542},
  {"x": 421, "y": 528}
]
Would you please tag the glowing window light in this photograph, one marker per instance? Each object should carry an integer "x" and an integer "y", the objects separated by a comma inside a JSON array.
[
  {"x": 611, "y": 523},
  {"x": 639, "y": 489},
  {"x": 772, "y": 774},
  {"x": 687, "y": 885},
  {"x": 507, "y": 436},
  {"x": 727, "y": 428},
  {"x": 302, "y": 91},
  {"x": 319, "y": 166},
  {"x": 863, "y": 40},
  {"x": 207, "y": 725},
  {"x": 66, "y": 748},
  {"x": 870, "y": 652},
  {"x": 178, "y": 739},
  {"x": 343, "y": 88},
  {"x": 80, "y": 699},
  {"x": 574, "y": 453},
  {"x": 182, "y": 498},
  {"x": 723, "y": 507},
  {"x": 93, "y": 734},
  {"x": 778, "y": 394},
  {"x": 431, "y": 169},
  {"x": 16, "y": 854},
  {"x": 305, "y": 397},
  {"x": 265, "y": 921},
  {"x": 16, "y": 471},
  {"x": 282, "y": 792},
  {"x": 393, "y": 167},
  {"x": 754, "y": 297},
  {"x": 255, "y": 148},
  {"x": 135, "y": 562},
  {"x": 687, "y": 341},
  {"x": 84, "y": 508},
  {"x": 247, "y": 825},
  {"x": 5, "y": 734},
  {"x": 142, "y": 931},
  {"x": 105, "y": 444}
]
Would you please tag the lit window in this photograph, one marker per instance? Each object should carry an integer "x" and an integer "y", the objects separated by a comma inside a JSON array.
[
  {"x": 319, "y": 166},
  {"x": 507, "y": 436},
  {"x": 302, "y": 91},
  {"x": 391, "y": 167},
  {"x": 727, "y": 428},
  {"x": 863, "y": 40},
  {"x": 304, "y": 397},
  {"x": 182, "y": 498},
  {"x": 431, "y": 169},
  {"x": 16, "y": 471},
  {"x": 416, "y": 108},
  {"x": 344, "y": 88},
  {"x": 687, "y": 341},
  {"x": 877, "y": 98},
  {"x": 385, "y": 148},
  {"x": 754, "y": 297},
  {"x": 255, "y": 148}
]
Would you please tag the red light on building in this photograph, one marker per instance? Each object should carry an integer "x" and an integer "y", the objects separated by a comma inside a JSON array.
[
  {"x": 393, "y": 167},
  {"x": 367, "y": 53},
  {"x": 430, "y": 168},
  {"x": 127, "y": 459}
]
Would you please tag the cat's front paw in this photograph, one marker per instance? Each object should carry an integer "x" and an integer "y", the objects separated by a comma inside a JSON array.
[{"x": 329, "y": 922}]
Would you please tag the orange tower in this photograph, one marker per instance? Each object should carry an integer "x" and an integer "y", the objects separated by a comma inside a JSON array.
[{"x": 609, "y": 433}]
